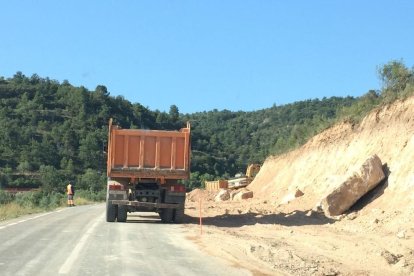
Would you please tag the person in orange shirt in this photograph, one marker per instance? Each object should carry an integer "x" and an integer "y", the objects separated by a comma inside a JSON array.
[{"x": 70, "y": 191}]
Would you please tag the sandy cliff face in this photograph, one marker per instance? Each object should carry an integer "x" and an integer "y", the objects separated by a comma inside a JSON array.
[
  {"x": 328, "y": 158},
  {"x": 275, "y": 234}
]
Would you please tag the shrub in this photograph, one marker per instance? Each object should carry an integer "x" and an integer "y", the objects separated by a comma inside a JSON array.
[
  {"x": 91, "y": 195},
  {"x": 92, "y": 180},
  {"x": 29, "y": 199},
  {"x": 5, "y": 197},
  {"x": 51, "y": 200}
]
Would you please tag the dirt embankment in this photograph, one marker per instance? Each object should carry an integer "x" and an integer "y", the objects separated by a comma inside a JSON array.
[
  {"x": 376, "y": 237},
  {"x": 333, "y": 155}
]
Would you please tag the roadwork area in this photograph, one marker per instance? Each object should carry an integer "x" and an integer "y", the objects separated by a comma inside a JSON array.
[
  {"x": 268, "y": 241},
  {"x": 284, "y": 230}
]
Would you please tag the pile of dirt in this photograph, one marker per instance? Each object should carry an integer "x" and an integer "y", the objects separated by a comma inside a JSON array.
[
  {"x": 277, "y": 231},
  {"x": 197, "y": 194}
]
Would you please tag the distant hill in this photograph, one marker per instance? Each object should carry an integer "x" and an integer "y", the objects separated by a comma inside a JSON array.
[{"x": 52, "y": 132}]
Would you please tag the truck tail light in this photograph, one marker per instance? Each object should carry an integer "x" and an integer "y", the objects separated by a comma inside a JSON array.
[
  {"x": 177, "y": 188},
  {"x": 116, "y": 187}
]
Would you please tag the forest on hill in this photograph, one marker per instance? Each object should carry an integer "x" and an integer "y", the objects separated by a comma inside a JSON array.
[{"x": 52, "y": 133}]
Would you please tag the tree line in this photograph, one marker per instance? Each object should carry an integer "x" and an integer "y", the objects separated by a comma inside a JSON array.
[{"x": 52, "y": 133}]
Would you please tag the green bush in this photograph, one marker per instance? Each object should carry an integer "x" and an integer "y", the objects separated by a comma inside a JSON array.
[
  {"x": 51, "y": 200},
  {"x": 29, "y": 199},
  {"x": 91, "y": 195},
  {"x": 6, "y": 197},
  {"x": 92, "y": 180},
  {"x": 56, "y": 200},
  {"x": 39, "y": 199}
]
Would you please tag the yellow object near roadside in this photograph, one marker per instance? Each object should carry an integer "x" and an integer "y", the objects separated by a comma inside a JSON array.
[
  {"x": 70, "y": 192},
  {"x": 251, "y": 172},
  {"x": 69, "y": 189}
]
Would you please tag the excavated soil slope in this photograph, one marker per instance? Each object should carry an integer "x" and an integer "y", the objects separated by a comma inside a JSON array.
[
  {"x": 328, "y": 158},
  {"x": 271, "y": 235}
]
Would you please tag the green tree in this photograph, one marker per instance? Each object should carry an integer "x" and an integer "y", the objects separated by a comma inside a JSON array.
[
  {"x": 51, "y": 179},
  {"x": 92, "y": 180},
  {"x": 90, "y": 150},
  {"x": 174, "y": 113},
  {"x": 395, "y": 77}
]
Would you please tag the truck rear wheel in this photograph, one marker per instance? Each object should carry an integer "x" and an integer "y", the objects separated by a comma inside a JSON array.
[
  {"x": 122, "y": 213},
  {"x": 179, "y": 215},
  {"x": 167, "y": 215},
  {"x": 111, "y": 212}
]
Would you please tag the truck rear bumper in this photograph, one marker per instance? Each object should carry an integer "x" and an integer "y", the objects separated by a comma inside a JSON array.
[{"x": 146, "y": 204}]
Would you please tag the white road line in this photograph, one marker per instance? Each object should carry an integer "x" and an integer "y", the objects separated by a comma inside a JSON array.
[
  {"x": 35, "y": 217},
  {"x": 66, "y": 267}
]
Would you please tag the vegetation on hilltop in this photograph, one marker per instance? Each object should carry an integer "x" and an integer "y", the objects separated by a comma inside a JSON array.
[
  {"x": 52, "y": 133},
  {"x": 224, "y": 142}
]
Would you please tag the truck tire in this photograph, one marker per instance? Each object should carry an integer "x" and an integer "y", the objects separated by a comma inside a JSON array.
[
  {"x": 167, "y": 215},
  {"x": 179, "y": 215},
  {"x": 122, "y": 213},
  {"x": 111, "y": 212}
]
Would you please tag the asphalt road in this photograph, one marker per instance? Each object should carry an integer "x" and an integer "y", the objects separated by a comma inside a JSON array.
[{"x": 78, "y": 241}]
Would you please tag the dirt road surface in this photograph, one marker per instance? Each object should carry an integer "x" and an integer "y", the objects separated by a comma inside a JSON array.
[{"x": 299, "y": 243}]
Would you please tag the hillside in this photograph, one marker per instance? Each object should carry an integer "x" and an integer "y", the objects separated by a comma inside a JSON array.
[
  {"x": 328, "y": 158},
  {"x": 225, "y": 142},
  {"x": 52, "y": 132},
  {"x": 375, "y": 237}
]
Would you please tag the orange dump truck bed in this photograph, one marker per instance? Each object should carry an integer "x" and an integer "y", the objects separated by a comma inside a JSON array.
[{"x": 139, "y": 153}]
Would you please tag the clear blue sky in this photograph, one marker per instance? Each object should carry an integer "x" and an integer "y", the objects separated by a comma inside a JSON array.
[{"x": 201, "y": 55}]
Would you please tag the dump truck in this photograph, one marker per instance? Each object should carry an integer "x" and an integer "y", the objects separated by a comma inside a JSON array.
[{"x": 144, "y": 168}]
